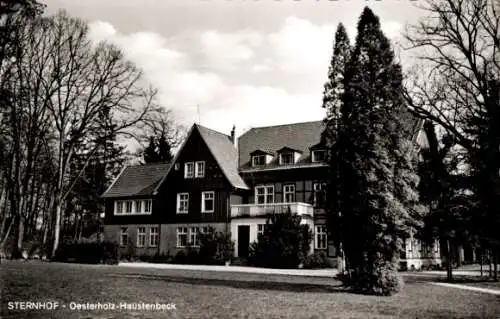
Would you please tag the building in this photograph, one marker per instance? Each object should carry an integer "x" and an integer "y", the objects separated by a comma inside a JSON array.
[{"x": 231, "y": 187}]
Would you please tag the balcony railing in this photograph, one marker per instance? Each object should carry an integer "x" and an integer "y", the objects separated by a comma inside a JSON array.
[{"x": 255, "y": 210}]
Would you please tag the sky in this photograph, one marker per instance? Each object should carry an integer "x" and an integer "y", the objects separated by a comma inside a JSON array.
[{"x": 247, "y": 63}]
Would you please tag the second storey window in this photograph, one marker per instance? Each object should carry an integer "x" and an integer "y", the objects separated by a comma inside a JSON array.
[
  {"x": 319, "y": 199},
  {"x": 286, "y": 158},
  {"x": 147, "y": 206},
  {"x": 258, "y": 160},
  {"x": 264, "y": 194},
  {"x": 128, "y": 207},
  {"x": 182, "y": 203},
  {"x": 138, "y": 206},
  {"x": 141, "y": 236},
  {"x": 118, "y": 207},
  {"x": 200, "y": 169},
  {"x": 207, "y": 202},
  {"x": 189, "y": 170},
  {"x": 289, "y": 193}
]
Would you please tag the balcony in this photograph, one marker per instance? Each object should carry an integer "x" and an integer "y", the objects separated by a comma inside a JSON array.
[{"x": 257, "y": 210}]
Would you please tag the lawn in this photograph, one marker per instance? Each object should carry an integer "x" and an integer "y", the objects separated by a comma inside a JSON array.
[{"x": 198, "y": 294}]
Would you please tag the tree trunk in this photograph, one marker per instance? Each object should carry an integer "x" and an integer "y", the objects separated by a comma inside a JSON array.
[
  {"x": 495, "y": 266},
  {"x": 57, "y": 227},
  {"x": 449, "y": 269},
  {"x": 490, "y": 270}
]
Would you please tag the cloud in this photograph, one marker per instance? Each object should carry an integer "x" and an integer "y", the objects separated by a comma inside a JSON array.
[{"x": 246, "y": 77}]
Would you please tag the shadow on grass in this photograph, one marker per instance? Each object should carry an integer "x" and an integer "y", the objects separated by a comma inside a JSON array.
[{"x": 242, "y": 284}]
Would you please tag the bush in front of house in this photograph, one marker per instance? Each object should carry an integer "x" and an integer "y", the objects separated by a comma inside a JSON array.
[
  {"x": 88, "y": 252},
  {"x": 215, "y": 248},
  {"x": 284, "y": 244},
  {"x": 317, "y": 260},
  {"x": 381, "y": 279}
]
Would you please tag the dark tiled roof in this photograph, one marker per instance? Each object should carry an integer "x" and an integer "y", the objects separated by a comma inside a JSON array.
[
  {"x": 225, "y": 154},
  {"x": 140, "y": 180},
  {"x": 298, "y": 136}
]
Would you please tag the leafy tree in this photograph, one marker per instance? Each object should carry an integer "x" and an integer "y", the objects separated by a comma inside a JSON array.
[
  {"x": 456, "y": 87},
  {"x": 284, "y": 244},
  {"x": 376, "y": 190}
]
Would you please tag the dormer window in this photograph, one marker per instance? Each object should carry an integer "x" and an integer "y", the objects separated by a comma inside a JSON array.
[
  {"x": 258, "y": 160},
  {"x": 286, "y": 158},
  {"x": 318, "y": 156}
]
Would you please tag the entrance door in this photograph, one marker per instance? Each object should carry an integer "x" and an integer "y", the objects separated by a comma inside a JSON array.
[{"x": 243, "y": 241}]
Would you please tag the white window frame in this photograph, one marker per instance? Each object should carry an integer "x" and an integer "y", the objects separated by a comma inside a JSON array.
[
  {"x": 189, "y": 170},
  {"x": 154, "y": 236},
  {"x": 288, "y": 189},
  {"x": 182, "y": 231},
  {"x": 320, "y": 231},
  {"x": 127, "y": 211},
  {"x": 119, "y": 207},
  {"x": 204, "y": 198},
  {"x": 265, "y": 194},
  {"x": 255, "y": 157},
  {"x": 179, "y": 200},
  {"x": 314, "y": 156},
  {"x": 147, "y": 206},
  {"x": 123, "y": 233},
  {"x": 194, "y": 238},
  {"x": 199, "y": 173},
  {"x": 292, "y": 155},
  {"x": 141, "y": 236},
  {"x": 140, "y": 210}
]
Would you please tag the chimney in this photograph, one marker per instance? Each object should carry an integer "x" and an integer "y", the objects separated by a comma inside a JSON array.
[{"x": 232, "y": 134}]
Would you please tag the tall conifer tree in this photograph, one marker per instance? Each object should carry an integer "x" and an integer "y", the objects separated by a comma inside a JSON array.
[{"x": 373, "y": 165}]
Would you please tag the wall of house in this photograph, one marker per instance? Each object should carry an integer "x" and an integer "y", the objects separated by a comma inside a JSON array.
[
  {"x": 194, "y": 150},
  {"x": 168, "y": 234},
  {"x": 112, "y": 233},
  {"x": 302, "y": 178}
]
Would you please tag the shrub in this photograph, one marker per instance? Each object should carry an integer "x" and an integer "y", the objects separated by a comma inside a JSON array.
[
  {"x": 215, "y": 248},
  {"x": 380, "y": 279},
  {"x": 87, "y": 252},
  {"x": 284, "y": 244},
  {"x": 162, "y": 258},
  {"x": 317, "y": 260}
]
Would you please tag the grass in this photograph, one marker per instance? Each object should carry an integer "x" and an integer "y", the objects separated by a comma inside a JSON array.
[{"x": 199, "y": 294}]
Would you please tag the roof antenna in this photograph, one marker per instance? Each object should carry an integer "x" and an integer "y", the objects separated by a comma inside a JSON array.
[{"x": 198, "y": 110}]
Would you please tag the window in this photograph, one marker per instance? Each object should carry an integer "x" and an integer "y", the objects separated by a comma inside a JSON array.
[
  {"x": 264, "y": 194},
  {"x": 321, "y": 237},
  {"x": 138, "y": 206},
  {"x": 154, "y": 236},
  {"x": 258, "y": 160},
  {"x": 194, "y": 238},
  {"x": 286, "y": 158},
  {"x": 319, "y": 194},
  {"x": 207, "y": 202},
  {"x": 318, "y": 156},
  {"x": 189, "y": 170},
  {"x": 182, "y": 237},
  {"x": 128, "y": 207},
  {"x": 176, "y": 166},
  {"x": 141, "y": 236},
  {"x": 261, "y": 228},
  {"x": 123, "y": 236},
  {"x": 200, "y": 169},
  {"x": 182, "y": 203},
  {"x": 118, "y": 208},
  {"x": 147, "y": 206},
  {"x": 289, "y": 193}
]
